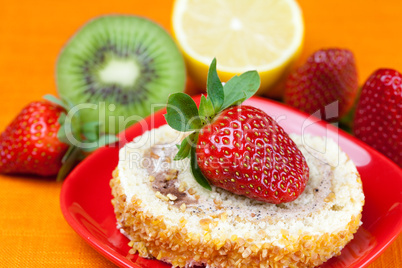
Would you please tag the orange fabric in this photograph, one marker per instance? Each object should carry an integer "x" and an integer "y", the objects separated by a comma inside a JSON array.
[{"x": 33, "y": 232}]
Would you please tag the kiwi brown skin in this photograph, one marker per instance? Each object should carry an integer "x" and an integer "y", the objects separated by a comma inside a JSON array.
[{"x": 118, "y": 69}]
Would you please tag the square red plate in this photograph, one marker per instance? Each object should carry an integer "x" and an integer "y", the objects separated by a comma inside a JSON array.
[{"x": 86, "y": 195}]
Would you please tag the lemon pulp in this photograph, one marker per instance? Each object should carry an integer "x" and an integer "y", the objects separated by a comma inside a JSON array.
[{"x": 262, "y": 35}]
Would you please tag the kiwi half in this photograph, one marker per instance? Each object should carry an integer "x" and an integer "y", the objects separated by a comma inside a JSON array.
[{"x": 121, "y": 69}]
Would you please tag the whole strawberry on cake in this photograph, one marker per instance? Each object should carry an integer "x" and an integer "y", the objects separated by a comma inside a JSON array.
[{"x": 223, "y": 185}]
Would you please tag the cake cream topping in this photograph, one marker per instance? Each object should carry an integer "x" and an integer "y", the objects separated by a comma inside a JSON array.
[
  {"x": 163, "y": 177},
  {"x": 173, "y": 183},
  {"x": 157, "y": 161}
]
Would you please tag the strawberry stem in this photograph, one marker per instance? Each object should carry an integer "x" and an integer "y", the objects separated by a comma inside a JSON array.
[
  {"x": 71, "y": 129},
  {"x": 346, "y": 122},
  {"x": 70, "y": 159}
]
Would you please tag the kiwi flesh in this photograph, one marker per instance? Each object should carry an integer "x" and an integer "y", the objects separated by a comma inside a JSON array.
[{"x": 118, "y": 69}]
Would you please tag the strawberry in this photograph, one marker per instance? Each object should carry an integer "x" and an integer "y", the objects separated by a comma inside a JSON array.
[
  {"x": 246, "y": 152},
  {"x": 237, "y": 148},
  {"x": 37, "y": 141},
  {"x": 30, "y": 144},
  {"x": 328, "y": 76},
  {"x": 378, "y": 116}
]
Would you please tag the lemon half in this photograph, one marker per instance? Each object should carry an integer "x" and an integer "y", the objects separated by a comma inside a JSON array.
[{"x": 262, "y": 35}]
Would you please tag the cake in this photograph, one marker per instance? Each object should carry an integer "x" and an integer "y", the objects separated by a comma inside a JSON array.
[{"x": 167, "y": 215}]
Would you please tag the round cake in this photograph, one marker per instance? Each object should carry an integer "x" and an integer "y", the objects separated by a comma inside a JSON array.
[{"x": 167, "y": 215}]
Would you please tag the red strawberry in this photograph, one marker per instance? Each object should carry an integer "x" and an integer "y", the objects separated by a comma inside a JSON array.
[
  {"x": 328, "y": 75},
  {"x": 246, "y": 152},
  {"x": 378, "y": 116},
  {"x": 238, "y": 148},
  {"x": 33, "y": 144},
  {"x": 30, "y": 144}
]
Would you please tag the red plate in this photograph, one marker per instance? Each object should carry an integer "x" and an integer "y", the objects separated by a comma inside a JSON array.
[{"x": 86, "y": 195}]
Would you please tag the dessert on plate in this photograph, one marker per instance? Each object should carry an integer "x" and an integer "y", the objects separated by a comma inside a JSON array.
[{"x": 232, "y": 189}]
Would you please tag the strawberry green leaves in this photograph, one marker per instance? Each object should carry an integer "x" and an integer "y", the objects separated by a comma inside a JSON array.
[
  {"x": 55, "y": 100},
  {"x": 214, "y": 87},
  {"x": 206, "y": 110},
  {"x": 183, "y": 115},
  {"x": 195, "y": 169},
  {"x": 234, "y": 92},
  {"x": 240, "y": 88},
  {"x": 82, "y": 138},
  {"x": 185, "y": 146}
]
